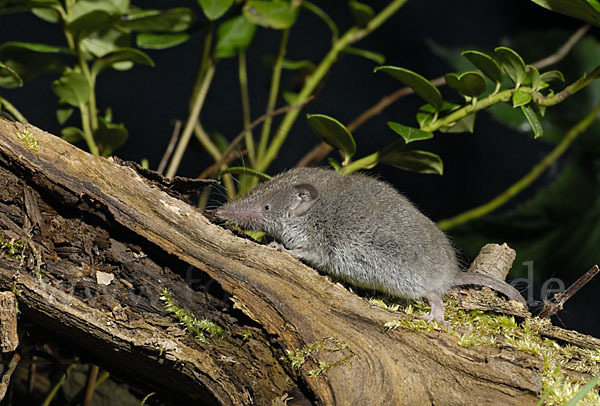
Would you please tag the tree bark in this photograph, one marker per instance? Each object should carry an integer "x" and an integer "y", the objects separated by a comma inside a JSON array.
[{"x": 82, "y": 217}]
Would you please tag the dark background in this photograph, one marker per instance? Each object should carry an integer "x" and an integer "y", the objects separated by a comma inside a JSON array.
[{"x": 477, "y": 166}]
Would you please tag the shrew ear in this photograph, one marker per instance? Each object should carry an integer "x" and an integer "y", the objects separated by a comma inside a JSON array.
[{"x": 305, "y": 196}]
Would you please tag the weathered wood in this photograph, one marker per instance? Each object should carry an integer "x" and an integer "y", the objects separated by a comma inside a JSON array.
[
  {"x": 123, "y": 325},
  {"x": 9, "y": 340},
  {"x": 294, "y": 306}
]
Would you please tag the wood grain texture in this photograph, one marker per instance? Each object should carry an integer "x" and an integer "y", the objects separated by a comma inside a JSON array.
[{"x": 9, "y": 340}]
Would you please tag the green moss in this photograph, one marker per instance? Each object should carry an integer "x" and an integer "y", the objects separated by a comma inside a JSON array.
[
  {"x": 328, "y": 344},
  {"x": 476, "y": 327},
  {"x": 12, "y": 248},
  {"x": 29, "y": 140},
  {"x": 190, "y": 322}
]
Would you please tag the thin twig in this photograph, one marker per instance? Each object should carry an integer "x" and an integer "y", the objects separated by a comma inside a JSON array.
[
  {"x": 213, "y": 168},
  {"x": 557, "y": 302},
  {"x": 351, "y": 36},
  {"x": 170, "y": 147},
  {"x": 563, "y": 50},
  {"x": 90, "y": 384},
  {"x": 319, "y": 152},
  {"x": 12, "y": 365}
]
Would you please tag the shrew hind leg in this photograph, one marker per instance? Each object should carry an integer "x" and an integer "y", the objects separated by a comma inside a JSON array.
[{"x": 437, "y": 307}]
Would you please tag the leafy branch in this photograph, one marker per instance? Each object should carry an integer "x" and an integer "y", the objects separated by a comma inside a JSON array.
[
  {"x": 232, "y": 38},
  {"x": 319, "y": 152},
  {"x": 97, "y": 36},
  {"x": 353, "y": 35},
  {"x": 530, "y": 93}
]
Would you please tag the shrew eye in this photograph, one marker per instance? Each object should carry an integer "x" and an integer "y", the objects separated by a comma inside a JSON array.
[{"x": 267, "y": 207}]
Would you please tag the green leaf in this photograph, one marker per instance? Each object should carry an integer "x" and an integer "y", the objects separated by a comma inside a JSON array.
[
  {"x": 557, "y": 121},
  {"x": 270, "y": 14},
  {"x": 109, "y": 136},
  {"x": 323, "y": 16},
  {"x": 71, "y": 134},
  {"x": 469, "y": 84},
  {"x": 148, "y": 40},
  {"x": 334, "y": 163},
  {"x": 520, "y": 98},
  {"x": 63, "y": 112},
  {"x": 533, "y": 77},
  {"x": 409, "y": 134},
  {"x": 100, "y": 43},
  {"x": 13, "y": 47},
  {"x": 29, "y": 65},
  {"x": 47, "y": 14},
  {"x": 291, "y": 98},
  {"x": 362, "y": 13},
  {"x": 586, "y": 10},
  {"x": 9, "y": 78},
  {"x": 332, "y": 132},
  {"x": 464, "y": 125},
  {"x": 72, "y": 88},
  {"x": 233, "y": 36},
  {"x": 421, "y": 86},
  {"x": 415, "y": 161},
  {"x": 243, "y": 170},
  {"x": 91, "y": 22},
  {"x": 513, "y": 64},
  {"x": 552, "y": 75},
  {"x": 172, "y": 20},
  {"x": 374, "y": 56},
  {"x": 427, "y": 112},
  {"x": 485, "y": 64},
  {"x": 214, "y": 9},
  {"x": 124, "y": 54},
  {"x": 534, "y": 121},
  {"x": 83, "y": 7}
]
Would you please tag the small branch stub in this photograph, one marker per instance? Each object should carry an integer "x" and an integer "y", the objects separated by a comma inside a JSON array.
[{"x": 494, "y": 260}]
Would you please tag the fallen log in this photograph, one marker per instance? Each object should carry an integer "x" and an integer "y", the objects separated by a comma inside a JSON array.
[{"x": 101, "y": 241}]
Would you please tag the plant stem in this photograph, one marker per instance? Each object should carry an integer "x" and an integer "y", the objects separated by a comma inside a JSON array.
[
  {"x": 570, "y": 90},
  {"x": 506, "y": 95},
  {"x": 243, "y": 76},
  {"x": 371, "y": 160},
  {"x": 66, "y": 15},
  {"x": 54, "y": 390},
  {"x": 524, "y": 182},
  {"x": 208, "y": 145},
  {"x": 273, "y": 92},
  {"x": 88, "y": 134},
  {"x": 198, "y": 101},
  {"x": 205, "y": 74},
  {"x": 85, "y": 70},
  {"x": 321, "y": 150},
  {"x": 206, "y": 58},
  {"x": 351, "y": 36},
  {"x": 501, "y": 97},
  {"x": 214, "y": 152},
  {"x": 8, "y": 106}
]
